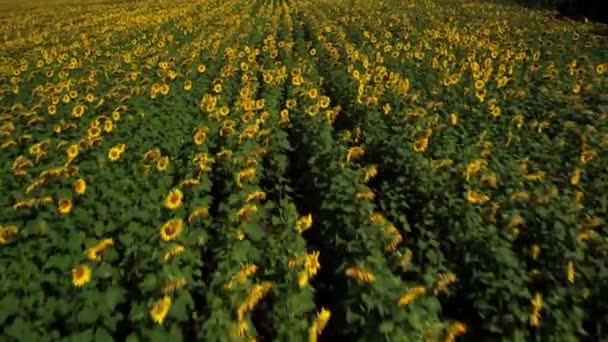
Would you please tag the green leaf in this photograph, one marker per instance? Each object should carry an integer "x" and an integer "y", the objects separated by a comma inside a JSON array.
[
  {"x": 84, "y": 336},
  {"x": 99, "y": 229},
  {"x": 132, "y": 338},
  {"x": 76, "y": 239},
  {"x": 102, "y": 335},
  {"x": 254, "y": 232},
  {"x": 113, "y": 296},
  {"x": 59, "y": 262},
  {"x": 387, "y": 327},
  {"x": 149, "y": 283},
  {"x": 182, "y": 306},
  {"x": 88, "y": 315},
  {"x": 8, "y": 306},
  {"x": 175, "y": 334}
]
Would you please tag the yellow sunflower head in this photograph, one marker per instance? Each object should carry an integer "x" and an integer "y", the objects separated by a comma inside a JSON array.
[
  {"x": 64, "y": 206},
  {"x": 81, "y": 274},
  {"x": 72, "y": 151},
  {"x": 174, "y": 199},
  {"x": 80, "y": 186},
  {"x": 78, "y": 111},
  {"x": 160, "y": 309},
  {"x": 171, "y": 229},
  {"x": 162, "y": 164}
]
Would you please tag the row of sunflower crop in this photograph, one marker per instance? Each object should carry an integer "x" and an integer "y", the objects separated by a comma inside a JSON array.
[
  {"x": 284, "y": 171},
  {"x": 521, "y": 211}
]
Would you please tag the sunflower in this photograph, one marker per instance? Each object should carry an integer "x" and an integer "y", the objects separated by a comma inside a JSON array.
[
  {"x": 174, "y": 285},
  {"x": 187, "y": 85},
  {"x": 115, "y": 115},
  {"x": 114, "y": 154},
  {"x": 108, "y": 126},
  {"x": 171, "y": 229},
  {"x": 35, "y": 149},
  {"x": 587, "y": 156},
  {"x": 476, "y": 198},
  {"x": 312, "y": 93},
  {"x": 198, "y": 213},
  {"x": 421, "y": 145},
  {"x": 72, "y": 152},
  {"x": 291, "y": 104},
  {"x": 454, "y": 119},
  {"x": 162, "y": 164},
  {"x": 201, "y": 68},
  {"x": 199, "y": 137},
  {"x": 189, "y": 183},
  {"x": 303, "y": 223},
  {"x": 164, "y": 89},
  {"x": 160, "y": 309},
  {"x": 268, "y": 78},
  {"x": 94, "y": 252},
  {"x": 324, "y": 102},
  {"x": 81, "y": 274},
  {"x": 64, "y": 206},
  {"x": 80, "y": 186},
  {"x": 173, "y": 253},
  {"x": 90, "y": 97},
  {"x": 256, "y": 196},
  {"x": 57, "y": 128},
  {"x": 52, "y": 109},
  {"x": 576, "y": 177},
  {"x": 6, "y": 233},
  {"x": 94, "y": 132},
  {"x": 78, "y": 111},
  {"x": 174, "y": 199},
  {"x": 480, "y": 94},
  {"x": 152, "y": 155},
  {"x": 496, "y": 111},
  {"x": 217, "y": 88}
]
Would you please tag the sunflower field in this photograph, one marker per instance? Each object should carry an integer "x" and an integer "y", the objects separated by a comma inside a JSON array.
[{"x": 282, "y": 170}]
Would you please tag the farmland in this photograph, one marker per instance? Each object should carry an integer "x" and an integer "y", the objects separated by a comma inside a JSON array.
[{"x": 238, "y": 170}]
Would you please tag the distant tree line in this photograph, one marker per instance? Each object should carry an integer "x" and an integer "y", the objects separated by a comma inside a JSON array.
[{"x": 596, "y": 10}]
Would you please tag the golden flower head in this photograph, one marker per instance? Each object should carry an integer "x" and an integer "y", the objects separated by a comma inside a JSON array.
[
  {"x": 454, "y": 119},
  {"x": 108, "y": 126},
  {"x": 173, "y": 253},
  {"x": 421, "y": 145},
  {"x": 198, "y": 213},
  {"x": 73, "y": 151},
  {"x": 80, "y": 186},
  {"x": 174, "y": 199},
  {"x": 6, "y": 233},
  {"x": 114, "y": 154},
  {"x": 171, "y": 229},
  {"x": 78, "y": 111},
  {"x": 81, "y": 274},
  {"x": 160, "y": 309},
  {"x": 64, "y": 206},
  {"x": 411, "y": 295},
  {"x": 476, "y": 198},
  {"x": 162, "y": 164},
  {"x": 304, "y": 223},
  {"x": 360, "y": 274}
]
